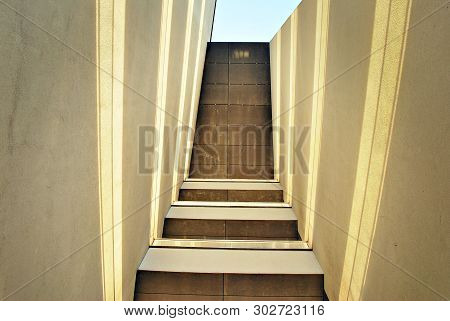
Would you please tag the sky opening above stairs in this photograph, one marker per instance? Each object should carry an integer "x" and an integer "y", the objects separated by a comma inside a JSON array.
[{"x": 250, "y": 20}]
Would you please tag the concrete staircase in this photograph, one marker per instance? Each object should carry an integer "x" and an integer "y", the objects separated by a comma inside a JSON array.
[
  {"x": 230, "y": 235},
  {"x": 218, "y": 274}
]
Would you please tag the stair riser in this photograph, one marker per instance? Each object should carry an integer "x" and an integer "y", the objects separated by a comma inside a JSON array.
[
  {"x": 229, "y": 287},
  {"x": 230, "y": 229},
  {"x": 230, "y": 195}
]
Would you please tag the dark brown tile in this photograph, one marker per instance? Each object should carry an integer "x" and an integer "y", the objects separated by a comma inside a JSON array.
[
  {"x": 250, "y": 172},
  {"x": 249, "y": 53},
  {"x": 214, "y": 94},
  {"x": 272, "y": 298},
  {"x": 249, "y": 115},
  {"x": 205, "y": 135},
  {"x": 249, "y": 95},
  {"x": 222, "y": 115},
  {"x": 250, "y": 155},
  {"x": 273, "y": 285},
  {"x": 207, "y": 115},
  {"x": 222, "y": 134},
  {"x": 203, "y": 195},
  {"x": 250, "y": 135},
  {"x": 211, "y": 135},
  {"x": 247, "y": 123},
  {"x": 255, "y": 196},
  {"x": 249, "y": 74},
  {"x": 215, "y": 74},
  {"x": 179, "y": 283},
  {"x": 262, "y": 229},
  {"x": 212, "y": 115},
  {"x": 217, "y": 52},
  {"x": 209, "y": 154},
  {"x": 175, "y": 228},
  {"x": 208, "y": 171},
  {"x": 176, "y": 297}
]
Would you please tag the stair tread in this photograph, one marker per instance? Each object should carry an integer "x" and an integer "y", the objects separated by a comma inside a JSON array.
[
  {"x": 232, "y": 244},
  {"x": 251, "y": 186},
  {"x": 232, "y": 204},
  {"x": 230, "y": 180},
  {"x": 233, "y": 213},
  {"x": 230, "y": 261}
]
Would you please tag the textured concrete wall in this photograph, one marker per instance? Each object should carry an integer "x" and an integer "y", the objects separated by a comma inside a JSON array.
[
  {"x": 190, "y": 30},
  {"x": 371, "y": 86},
  {"x": 49, "y": 199},
  {"x": 142, "y": 33},
  {"x": 302, "y": 111},
  {"x": 79, "y": 81},
  {"x": 285, "y": 98}
]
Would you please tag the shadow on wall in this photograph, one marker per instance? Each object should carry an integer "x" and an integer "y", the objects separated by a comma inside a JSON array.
[
  {"x": 378, "y": 166},
  {"x": 392, "y": 253}
]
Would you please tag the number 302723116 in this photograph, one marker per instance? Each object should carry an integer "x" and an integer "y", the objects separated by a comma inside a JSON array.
[{"x": 286, "y": 309}]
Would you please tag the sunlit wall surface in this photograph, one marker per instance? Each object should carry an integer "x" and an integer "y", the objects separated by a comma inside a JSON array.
[
  {"x": 78, "y": 206},
  {"x": 367, "y": 82}
]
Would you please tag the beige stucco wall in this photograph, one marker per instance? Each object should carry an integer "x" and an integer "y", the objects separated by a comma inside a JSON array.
[
  {"x": 302, "y": 111},
  {"x": 142, "y": 32},
  {"x": 181, "y": 99},
  {"x": 79, "y": 81},
  {"x": 371, "y": 84},
  {"x": 49, "y": 199},
  {"x": 285, "y": 99}
]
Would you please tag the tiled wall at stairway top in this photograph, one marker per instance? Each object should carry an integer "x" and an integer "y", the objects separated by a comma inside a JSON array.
[{"x": 234, "y": 124}]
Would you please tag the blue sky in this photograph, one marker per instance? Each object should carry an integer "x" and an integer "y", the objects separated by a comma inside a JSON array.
[{"x": 250, "y": 20}]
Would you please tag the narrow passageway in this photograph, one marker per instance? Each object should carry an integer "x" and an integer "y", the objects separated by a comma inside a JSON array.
[
  {"x": 224, "y": 150},
  {"x": 231, "y": 235}
]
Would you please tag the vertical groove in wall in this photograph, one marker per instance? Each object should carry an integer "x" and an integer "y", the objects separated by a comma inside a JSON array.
[
  {"x": 105, "y": 140},
  {"x": 213, "y": 19},
  {"x": 182, "y": 102},
  {"x": 291, "y": 112},
  {"x": 117, "y": 134},
  {"x": 228, "y": 100},
  {"x": 99, "y": 154},
  {"x": 160, "y": 114},
  {"x": 367, "y": 134},
  {"x": 316, "y": 121},
  {"x": 194, "y": 100},
  {"x": 106, "y": 295},
  {"x": 276, "y": 108},
  {"x": 397, "y": 18}
]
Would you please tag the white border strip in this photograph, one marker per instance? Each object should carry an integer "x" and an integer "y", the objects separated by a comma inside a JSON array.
[
  {"x": 234, "y": 213},
  {"x": 242, "y": 180},
  {"x": 231, "y": 204},
  {"x": 233, "y": 244}
]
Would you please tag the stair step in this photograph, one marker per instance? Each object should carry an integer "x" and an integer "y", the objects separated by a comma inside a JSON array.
[
  {"x": 232, "y": 204},
  {"x": 232, "y": 185},
  {"x": 179, "y": 286},
  {"x": 206, "y": 274},
  {"x": 231, "y": 244},
  {"x": 232, "y": 213},
  {"x": 230, "y": 195},
  {"x": 230, "y": 229},
  {"x": 230, "y": 261},
  {"x": 230, "y": 180}
]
